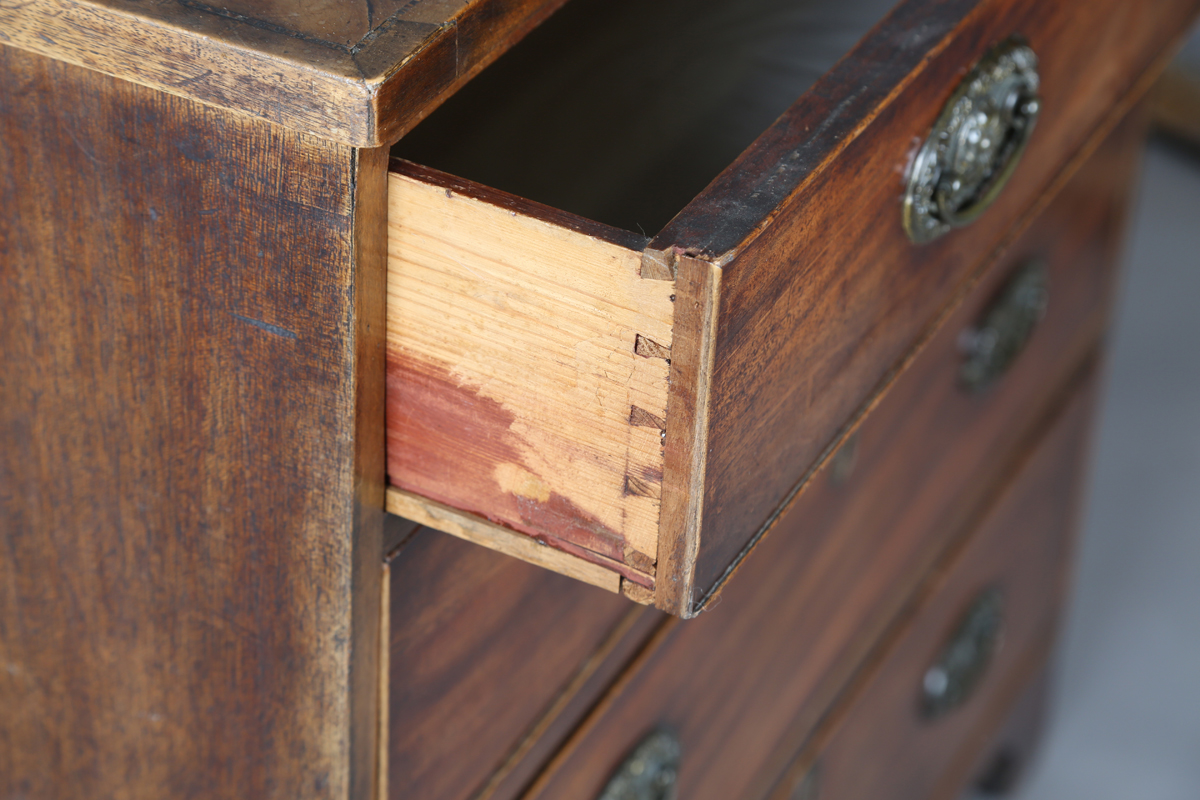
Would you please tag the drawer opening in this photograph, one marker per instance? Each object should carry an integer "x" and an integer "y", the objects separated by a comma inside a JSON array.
[
  {"x": 531, "y": 327},
  {"x": 621, "y": 111},
  {"x": 638, "y": 411}
]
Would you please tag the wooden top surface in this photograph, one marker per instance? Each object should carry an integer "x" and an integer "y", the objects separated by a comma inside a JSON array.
[{"x": 359, "y": 72}]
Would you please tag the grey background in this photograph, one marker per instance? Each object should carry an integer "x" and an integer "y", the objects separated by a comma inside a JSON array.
[{"x": 1125, "y": 721}]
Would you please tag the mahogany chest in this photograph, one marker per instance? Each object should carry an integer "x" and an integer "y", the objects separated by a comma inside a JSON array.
[{"x": 481, "y": 399}]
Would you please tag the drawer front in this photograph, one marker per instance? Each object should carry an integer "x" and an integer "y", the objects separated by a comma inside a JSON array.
[
  {"x": 820, "y": 293},
  {"x": 736, "y": 710},
  {"x": 480, "y": 649},
  {"x": 745, "y": 683},
  {"x": 944, "y": 687},
  {"x": 646, "y": 408}
]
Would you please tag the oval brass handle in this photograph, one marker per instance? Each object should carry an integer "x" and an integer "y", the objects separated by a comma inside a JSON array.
[
  {"x": 975, "y": 144},
  {"x": 993, "y": 345},
  {"x": 964, "y": 659},
  {"x": 650, "y": 772}
]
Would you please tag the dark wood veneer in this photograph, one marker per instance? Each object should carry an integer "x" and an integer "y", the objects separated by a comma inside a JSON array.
[
  {"x": 1021, "y": 549},
  {"x": 799, "y": 299},
  {"x": 191, "y": 471},
  {"x": 746, "y": 682},
  {"x": 481, "y": 645},
  {"x": 821, "y": 294}
]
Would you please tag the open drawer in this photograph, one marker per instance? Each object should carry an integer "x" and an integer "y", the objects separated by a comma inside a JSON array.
[{"x": 637, "y": 411}]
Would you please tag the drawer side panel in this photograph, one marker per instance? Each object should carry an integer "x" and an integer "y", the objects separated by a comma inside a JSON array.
[{"x": 527, "y": 372}]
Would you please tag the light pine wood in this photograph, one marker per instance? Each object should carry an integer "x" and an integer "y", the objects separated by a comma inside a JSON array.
[
  {"x": 480, "y": 531},
  {"x": 556, "y": 349}
]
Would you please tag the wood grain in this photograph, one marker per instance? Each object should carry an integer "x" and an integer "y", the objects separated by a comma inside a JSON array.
[
  {"x": 1022, "y": 550},
  {"x": 527, "y": 368},
  {"x": 510, "y": 543},
  {"x": 187, "y": 494},
  {"x": 747, "y": 681},
  {"x": 732, "y": 681},
  {"x": 558, "y": 721},
  {"x": 822, "y": 295},
  {"x": 358, "y": 73},
  {"x": 368, "y": 319},
  {"x": 818, "y": 300},
  {"x": 1082, "y": 231},
  {"x": 481, "y": 646}
]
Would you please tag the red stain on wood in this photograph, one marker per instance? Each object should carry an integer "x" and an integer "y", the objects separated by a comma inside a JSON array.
[
  {"x": 563, "y": 519},
  {"x": 625, "y": 570},
  {"x": 445, "y": 441}
]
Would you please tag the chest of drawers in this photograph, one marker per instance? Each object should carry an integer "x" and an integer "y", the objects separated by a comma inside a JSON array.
[{"x": 836, "y": 409}]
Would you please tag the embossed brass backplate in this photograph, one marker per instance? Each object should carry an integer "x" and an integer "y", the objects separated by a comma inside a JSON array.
[{"x": 975, "y": 144}]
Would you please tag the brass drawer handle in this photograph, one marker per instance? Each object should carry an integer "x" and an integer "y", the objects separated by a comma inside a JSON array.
[
  {"x": 964, "y": 659},
  {"x": 650, "y": 772},
  {"x": 975, "y": 144},
  {"x": 992, "y": 346}
]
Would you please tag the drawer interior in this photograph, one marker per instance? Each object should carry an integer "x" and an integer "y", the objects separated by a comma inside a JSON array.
[{"x": 622, "y": 111}]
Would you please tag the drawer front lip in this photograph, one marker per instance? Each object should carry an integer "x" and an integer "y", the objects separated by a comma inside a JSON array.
[
  {"x": 822, "y": 296},
  {"x": 745, "y": 683}
]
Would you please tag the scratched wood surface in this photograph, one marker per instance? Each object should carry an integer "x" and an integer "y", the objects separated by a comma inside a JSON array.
[
  {"x": 190, "y": 502},
  {"x": 359, "y": 72},
  {"x": 527, "y": 370}
]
